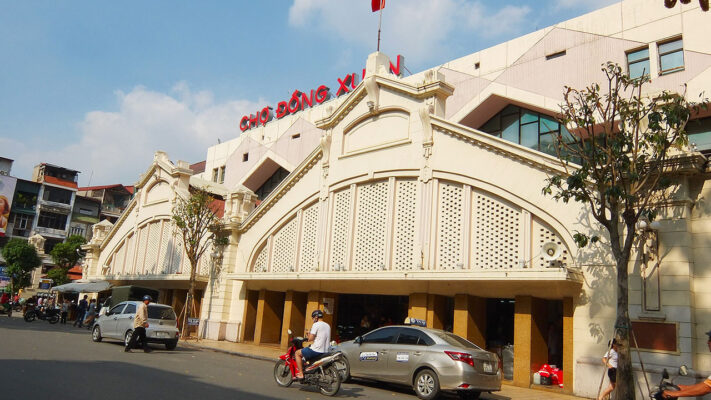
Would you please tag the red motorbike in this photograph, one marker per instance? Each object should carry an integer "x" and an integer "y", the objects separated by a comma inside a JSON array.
[{"x": 321, "y": 373}]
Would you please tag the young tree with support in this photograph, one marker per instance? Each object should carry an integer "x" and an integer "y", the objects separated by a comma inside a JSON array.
[
  {"x": 196, "y": 218},
  {"x": 617, "y": 159}
]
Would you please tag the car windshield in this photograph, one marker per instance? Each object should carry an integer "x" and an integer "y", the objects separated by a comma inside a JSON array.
[
  {"x": 161, "y": 313},
  {"x": 455, "y": 340}
]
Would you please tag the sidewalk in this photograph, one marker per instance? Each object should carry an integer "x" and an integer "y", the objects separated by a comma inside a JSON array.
[{"x": 271, "y": 353}]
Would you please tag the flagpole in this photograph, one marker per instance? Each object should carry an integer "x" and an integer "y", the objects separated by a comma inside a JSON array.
[{"x": 380, "y": 21}]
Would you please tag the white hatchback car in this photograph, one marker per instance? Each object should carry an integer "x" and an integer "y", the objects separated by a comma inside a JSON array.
[{"x": 117, "y": 323}]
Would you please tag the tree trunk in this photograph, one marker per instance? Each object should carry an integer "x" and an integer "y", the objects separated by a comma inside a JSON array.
[
  {"x": 191, "y": 297},
  {"x": 625, "y": 376}
]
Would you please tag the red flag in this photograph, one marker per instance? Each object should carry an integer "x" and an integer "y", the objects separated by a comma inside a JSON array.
[{"x": 376, "y": 5}]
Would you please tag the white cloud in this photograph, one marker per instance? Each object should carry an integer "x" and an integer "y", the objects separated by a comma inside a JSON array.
[
  {"x": 117, "y": 146},
  {"x": 421, "y": 29},
  {"x": 584, "y": 5}
]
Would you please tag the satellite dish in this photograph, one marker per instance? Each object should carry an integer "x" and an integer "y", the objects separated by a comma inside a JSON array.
[{"x": 551, "y": 251}]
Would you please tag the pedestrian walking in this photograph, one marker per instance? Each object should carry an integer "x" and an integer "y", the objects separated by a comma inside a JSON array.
[
  {"x": 81, "y": 312},
  {"x": 65, "y": 311},
  {"x": 90, "y": 314},
  {"x": 610, "y": 361},
  {"x": 140, "y": 323}
]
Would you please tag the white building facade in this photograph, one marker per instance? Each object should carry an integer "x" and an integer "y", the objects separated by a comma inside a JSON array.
[{"x": 421, "y": 196}]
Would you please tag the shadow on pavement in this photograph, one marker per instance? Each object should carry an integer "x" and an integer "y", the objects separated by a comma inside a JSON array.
[
  {"x": 107, "y": 380},
  {"x": 402, "y": 389}
]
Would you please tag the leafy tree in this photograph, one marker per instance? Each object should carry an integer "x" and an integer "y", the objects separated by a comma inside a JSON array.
[
  {"x": 671, "y": 3},
  {"x": 65, "y": 254},
  {"x": 58, "y": 275},
  {"x": 21, "y": 260},
  {"x": 623, "y": 144},
  {"x": 197, "y": 219}
]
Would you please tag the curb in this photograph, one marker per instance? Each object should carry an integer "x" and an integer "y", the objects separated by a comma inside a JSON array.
[{"x": 233, "y": 353}]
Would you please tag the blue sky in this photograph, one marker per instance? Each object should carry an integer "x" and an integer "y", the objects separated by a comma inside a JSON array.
[{"x": 99, "y": 86}]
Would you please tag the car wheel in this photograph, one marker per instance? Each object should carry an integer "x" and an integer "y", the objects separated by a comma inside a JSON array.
[
  {"x": 171, "y": 345},
  {"x": 344, "y": 369},
  {"x": 127, "y": 338},
  {"x": 426, "y": 384},
  {"x": 469, "y": 395},
  {"x": 96, "y": 334}
]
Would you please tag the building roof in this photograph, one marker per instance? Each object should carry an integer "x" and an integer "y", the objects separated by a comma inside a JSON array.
[
  {"x": 60, "y": 167},
  {"x": 61, "y": 182},
  {"x": 198, "y": 167},
  {"x": 128, "y": 189},
  {"x": 131, "y": 189}
]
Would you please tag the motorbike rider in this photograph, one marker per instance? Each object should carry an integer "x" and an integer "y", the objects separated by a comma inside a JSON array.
[
  {"x": 5, "y": 301},
  {"x": 320, "y": 335},
  {"x": 698, "y": 389}
]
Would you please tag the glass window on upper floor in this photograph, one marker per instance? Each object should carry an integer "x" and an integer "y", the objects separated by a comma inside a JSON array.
[
  {"x": 222, "y": 175},
  {"x": 57, "y": 195},
  {"x": 528, "y": 128},
  {"x": 699, "y": 131},
  {"x": 671, "y": 56},
  {"x": 638, "y": 63}
]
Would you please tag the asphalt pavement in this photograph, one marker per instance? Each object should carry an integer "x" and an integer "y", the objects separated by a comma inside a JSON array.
[{"x": 41, "y": 361}]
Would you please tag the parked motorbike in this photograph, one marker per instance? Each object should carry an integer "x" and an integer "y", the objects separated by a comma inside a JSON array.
[
  {"x": 48, "y": 314},
  {"x": 667, "y": 384},
  {"x": 16, "y": 306},
  {"x": 321, "y": 373}
]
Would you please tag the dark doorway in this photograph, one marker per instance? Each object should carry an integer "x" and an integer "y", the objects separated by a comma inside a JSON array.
[{"x": 358, "y": 313}]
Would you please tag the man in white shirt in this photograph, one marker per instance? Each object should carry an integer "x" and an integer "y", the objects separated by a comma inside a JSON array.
[
  {"x": 320, "y": 335},
  {"x": 698, "y": 389}
]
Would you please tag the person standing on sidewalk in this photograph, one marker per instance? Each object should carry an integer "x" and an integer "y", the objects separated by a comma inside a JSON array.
[
  {"x": 610, "y": 361},
  {"x": 140, "y": 323},
  {"x": 65, "y": 311},
  {"x": 81, "y": 311}
]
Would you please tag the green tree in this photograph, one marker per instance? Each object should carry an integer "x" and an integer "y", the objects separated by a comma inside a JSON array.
[
  {"x": 622, "y": 143},
  {"x": 671, "y": 3},
  {"x": 21, "y": 260},
  {"x": 66, "y": 256},
  {"x": 196, "y": 218}
]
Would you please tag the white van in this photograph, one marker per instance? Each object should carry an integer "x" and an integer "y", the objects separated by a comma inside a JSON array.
[{"x": 117, "y": 323}]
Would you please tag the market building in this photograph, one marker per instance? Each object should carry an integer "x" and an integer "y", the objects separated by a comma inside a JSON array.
[{"x": 421, "y": 196}]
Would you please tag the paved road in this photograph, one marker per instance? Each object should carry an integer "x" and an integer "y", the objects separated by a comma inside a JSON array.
[{"x": 42, "y": 361}]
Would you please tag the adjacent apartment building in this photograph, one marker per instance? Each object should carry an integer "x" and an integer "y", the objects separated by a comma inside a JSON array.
[{"x": 421, "y": 196}]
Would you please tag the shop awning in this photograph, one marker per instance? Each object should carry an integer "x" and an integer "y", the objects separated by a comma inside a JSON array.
[{"x": 83, "y": 287}]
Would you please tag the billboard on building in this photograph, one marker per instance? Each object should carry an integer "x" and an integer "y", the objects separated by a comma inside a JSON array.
[{"x": 7, "y": 191}]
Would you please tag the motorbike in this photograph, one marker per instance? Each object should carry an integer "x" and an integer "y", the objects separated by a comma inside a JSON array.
[
  {"x": 16, "y": 306},
  {"x": 49, "y": 314},
  {"x": 667, "y": 384},
  {"x": 6, "y": 310},
  {"x": 321, "y": 373}
]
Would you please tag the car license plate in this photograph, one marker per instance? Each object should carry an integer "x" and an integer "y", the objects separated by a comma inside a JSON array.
[
  {"x": 488, "y": 367},
  {"x": 162, "y": 334}
]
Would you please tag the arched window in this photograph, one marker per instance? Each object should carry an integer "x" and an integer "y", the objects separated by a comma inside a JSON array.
[{"x": 528, "y": 128}]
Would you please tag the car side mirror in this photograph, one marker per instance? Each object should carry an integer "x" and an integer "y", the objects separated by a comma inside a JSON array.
[
  {"x": 358, "y": 340},
  {"x": 683, "y": 370}
]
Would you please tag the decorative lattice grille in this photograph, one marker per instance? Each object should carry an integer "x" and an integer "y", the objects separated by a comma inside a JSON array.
[
  {"x": 119, "y": 257},
  {"x": 371, "y": 221},
  {"x": 284, "y": 252},
  {"x": 260, "y": 264},
  {"x": 405, "y": 212},
  {"x": 204, "y": 264},
  {"x": 450, "y": 226},
  {"x": 163, "y": 251},
  {"x": 544, "y": 233},
  {"x": 495, "y": 233},
  {"x": 340, "y": 228},
  {"x": 309, "y": 234},
  {"x": 152, "y": 248},
  {"x": 176, "y": 250},
  {"x": 141, "y": 249},
  {"x": 130, "y": 254}
]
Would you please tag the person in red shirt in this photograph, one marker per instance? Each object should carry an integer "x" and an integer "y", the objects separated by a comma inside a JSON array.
[{"x": 5, "y": 301}]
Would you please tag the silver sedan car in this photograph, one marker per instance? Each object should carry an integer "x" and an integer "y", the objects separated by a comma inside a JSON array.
[
  {"x": 429, "y": 360},
  {"x": 117, "y": 323}
]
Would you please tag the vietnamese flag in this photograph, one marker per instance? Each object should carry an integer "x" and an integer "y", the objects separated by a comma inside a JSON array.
[{"x": 376, "y": 5}]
